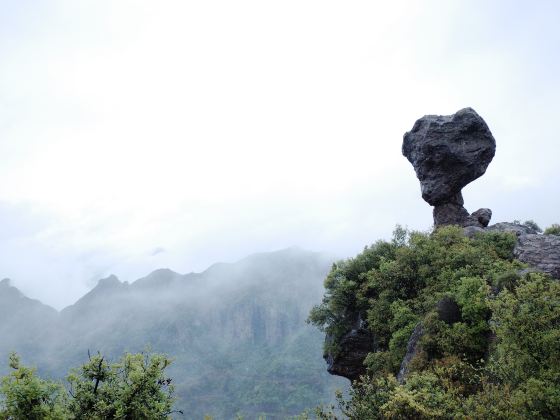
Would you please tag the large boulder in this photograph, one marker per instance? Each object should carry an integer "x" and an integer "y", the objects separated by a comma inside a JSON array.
[{"x": 447, "y": 153}]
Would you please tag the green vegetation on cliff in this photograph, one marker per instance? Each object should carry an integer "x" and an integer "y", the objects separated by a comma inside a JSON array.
[{"x": 490, "y": 332}]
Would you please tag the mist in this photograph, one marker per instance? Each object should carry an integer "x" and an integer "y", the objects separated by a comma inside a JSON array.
[
  {"x": 206, "y": 132},
  {"x": 234, "y": 332}
]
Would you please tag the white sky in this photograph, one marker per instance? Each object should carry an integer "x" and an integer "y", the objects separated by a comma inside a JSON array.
[{"x": 136, "y": 135}]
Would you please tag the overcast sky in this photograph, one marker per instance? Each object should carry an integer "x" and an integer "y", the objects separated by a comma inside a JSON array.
[{"x": 136, "y": 135}]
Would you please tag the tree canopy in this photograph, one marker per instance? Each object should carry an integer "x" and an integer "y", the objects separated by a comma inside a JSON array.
[{"x": 134, "y": 387}]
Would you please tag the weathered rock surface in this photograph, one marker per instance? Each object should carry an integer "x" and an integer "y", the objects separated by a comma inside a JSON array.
[
  {"x": 412, "y": 349},
  {"x": 354, "y": 346},
  {"x": 447, "y": 153},
  {"x": 483, "y": 216},
  {"x": 451, "y": 214},
  {"x": 539, "y": 251},
  {"x": 516, "y": 228}
]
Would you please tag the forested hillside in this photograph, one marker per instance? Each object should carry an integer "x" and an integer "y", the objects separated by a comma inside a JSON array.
[{"x": 236, "y": 333}]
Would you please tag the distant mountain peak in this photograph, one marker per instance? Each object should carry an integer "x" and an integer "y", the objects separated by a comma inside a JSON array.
[
  {"x": 8, "y": 289},
  {"x": 12, "y": 297},
  {"x": 163, "y": 272},
  {"x": 159, "y": 277},
  {"x": 109, "y": 281}
]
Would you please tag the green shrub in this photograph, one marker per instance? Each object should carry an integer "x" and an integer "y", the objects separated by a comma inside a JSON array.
[
  {"x": 533, "y": 225},
  {"x": 26, "y": 396},
  {"x": 135, "y": 387},
  {"x": 553, "y": 229}
]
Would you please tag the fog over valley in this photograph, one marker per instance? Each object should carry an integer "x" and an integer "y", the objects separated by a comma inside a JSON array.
[
  {"x": 238, "y": 329},
  {"x": 140, "y": 136}
]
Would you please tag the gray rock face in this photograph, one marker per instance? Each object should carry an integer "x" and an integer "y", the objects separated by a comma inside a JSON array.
[
  {"x": 412, "y": 349},
  {"x": 447, "y": 153},
  {"x": 354, "y": 347},
  {"x": 516, "y": 228},
  {"x": 451, "y": 214},
  {"x": 471, "y": 231},
  {"x": 540, "y": 251}
]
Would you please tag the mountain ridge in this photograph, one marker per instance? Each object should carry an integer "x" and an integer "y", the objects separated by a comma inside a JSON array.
[
  {"x": 169, "y": 275},
  {"x": 233, "y": 330}
]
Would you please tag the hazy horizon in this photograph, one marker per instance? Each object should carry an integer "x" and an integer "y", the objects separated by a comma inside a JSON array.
[
  {"x": 140, "y": 135},
  {"x": 202, "y": 271}
]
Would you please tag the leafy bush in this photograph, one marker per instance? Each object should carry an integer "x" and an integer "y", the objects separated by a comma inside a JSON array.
[
  {"x": 553, "y": 229},
  {"x": 23, "y": 395},
  {"x": 533, "y": 225},
  {"x": 133, "y": 388}
]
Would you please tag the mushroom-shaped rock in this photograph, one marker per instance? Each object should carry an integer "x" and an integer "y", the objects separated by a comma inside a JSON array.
[{"x": 447, "y": 153}]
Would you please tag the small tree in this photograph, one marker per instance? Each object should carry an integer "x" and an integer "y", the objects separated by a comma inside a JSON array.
[
  {"x": 133, "y": 388},
  {"x": 533, "y": 225},
  {"x": 25, "y": 396}
]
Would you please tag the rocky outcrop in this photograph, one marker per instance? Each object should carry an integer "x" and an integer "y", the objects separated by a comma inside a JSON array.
[
  {"x": 412, "y": 349},
  {"x": 447, "y": 153},
  {"x": 539, "y": 251},
  {"x": 353, "y": 347},
  {"x": 482, "y": 216},
  {"x": 516, "y": 228}
]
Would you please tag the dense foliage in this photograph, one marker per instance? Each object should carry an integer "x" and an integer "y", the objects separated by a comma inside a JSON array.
[
  {"x": 133, "y": 388},
  {"x": 23, "y": 395},
  {"x": 496, "y": 357}
]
